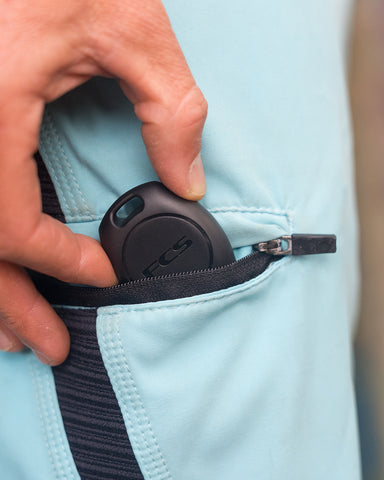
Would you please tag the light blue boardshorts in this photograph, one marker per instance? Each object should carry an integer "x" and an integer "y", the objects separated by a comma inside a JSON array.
[{"x": 250, "y": 382}]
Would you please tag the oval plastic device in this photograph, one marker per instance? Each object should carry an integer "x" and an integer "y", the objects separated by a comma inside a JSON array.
[{"x": 149, "y": 232}]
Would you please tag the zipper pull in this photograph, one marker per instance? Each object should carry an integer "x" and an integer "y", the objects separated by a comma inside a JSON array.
[{"x": 298, "y": 244}]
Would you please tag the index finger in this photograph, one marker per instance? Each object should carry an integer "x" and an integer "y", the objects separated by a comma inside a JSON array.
[{"x": 27, "y": 236}]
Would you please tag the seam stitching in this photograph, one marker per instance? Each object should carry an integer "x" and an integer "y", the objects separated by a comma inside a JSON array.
[
  {"x": 83, "y": 201},
  {"x": 36, "y": 381},
  {"x": 57, "y": 428},
  {"x": 46, "y": 142},
  {"x": 53, "y": 436},
  {"x": 145, "y": 415},
  {"x": 57, "y": 166},
  {"x": 134, "y": 400},
  {"x": 111, "y": 358},
  {"x": 62, "y": 169},
  {"x": 246, "y": 209}
]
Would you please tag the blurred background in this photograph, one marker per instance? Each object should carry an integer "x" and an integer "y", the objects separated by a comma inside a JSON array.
[{"x": 367, "y": 101}]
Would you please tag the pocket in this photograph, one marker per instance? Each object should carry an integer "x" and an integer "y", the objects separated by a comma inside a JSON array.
[
  {"x": 244, "y": 226},
  {"x": 155, "y": 289},
  {"x": 133, "y": 366},
  {"x": 207, "y": 384},
  {"x": 172, "y": 377},
  {"x": 187, "y": 377},
  {"x": 187, "y": 284}
]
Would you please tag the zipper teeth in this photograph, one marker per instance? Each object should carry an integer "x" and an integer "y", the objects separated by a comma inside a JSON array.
[{"x": 181, "y": 274}]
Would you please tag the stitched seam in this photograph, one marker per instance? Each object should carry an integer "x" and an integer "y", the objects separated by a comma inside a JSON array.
[
  {"x": 214, "y": 298},
  {"x": 61, "y": 170},
  {"x": 288, "y": 214},
  {"x": 57, "y": 166},
  {"x": 246, "y": 209},
  {"x": 138, "y": 399},
  {"x": 56, "y": 449},
  {"x": 82, "y": 218},
  {"x": 111, "y": 359},
  {"x": 69, "y": 168},
  {"x": 51, "y": 131},
  {"x": 130, "y": 390},
  {"x": 159, "y": 457},
  {"x": 47, "y": 142},
  {"x": 35, "y": 381},
  {"x": 137, "y": 414},
  {"x": 57, "y": 433}
]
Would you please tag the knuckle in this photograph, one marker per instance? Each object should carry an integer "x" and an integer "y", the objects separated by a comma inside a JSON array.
[
  {"x": 23, "y": 322},
  {"x": 13, "y": 322},
  {"x": 193, "y": 109},
  {"x": 8, "y": 341}
]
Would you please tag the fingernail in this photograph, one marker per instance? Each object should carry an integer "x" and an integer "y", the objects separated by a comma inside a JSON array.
[
  {"x": 6, "y": 343},
  {"x": 197, "y": 185}
]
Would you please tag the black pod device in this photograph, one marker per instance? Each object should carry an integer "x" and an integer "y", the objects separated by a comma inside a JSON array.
[{"x": 149, "y": 232}]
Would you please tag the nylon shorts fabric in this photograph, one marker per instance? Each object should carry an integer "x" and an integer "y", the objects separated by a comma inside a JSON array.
[
  {"x": 254, "y": 381},
  {"x": 222, "y": 385}
]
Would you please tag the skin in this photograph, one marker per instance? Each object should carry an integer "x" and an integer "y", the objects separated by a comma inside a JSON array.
[{"x": 48, "y": 48}]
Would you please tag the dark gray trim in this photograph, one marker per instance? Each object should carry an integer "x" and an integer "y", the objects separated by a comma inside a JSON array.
[
  {"x": 49, "y": 198},
  {"x": 91, "y": 414}
]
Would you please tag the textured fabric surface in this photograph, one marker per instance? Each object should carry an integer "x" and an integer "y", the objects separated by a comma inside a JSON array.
[
  {"x": 92, "y": 418},
  {"x": 33, "y": 444},
  {"x": 255, "y": 381},
  {"x": 223, "y": 386}
]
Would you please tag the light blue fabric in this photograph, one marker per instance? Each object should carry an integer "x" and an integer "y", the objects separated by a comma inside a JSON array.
[
  {"x": 256, "y": 381},
  {"x": 240, "y": 383},
  {"x": 33, "y": 444}
]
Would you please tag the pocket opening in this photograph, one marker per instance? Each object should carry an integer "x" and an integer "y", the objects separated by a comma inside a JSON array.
[{"x": 155, "y": 289}]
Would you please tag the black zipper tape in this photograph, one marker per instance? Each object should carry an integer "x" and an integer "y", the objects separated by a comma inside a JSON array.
[
  {"x": 155, "y": 289},
  {"x": 187, "y": 284}
]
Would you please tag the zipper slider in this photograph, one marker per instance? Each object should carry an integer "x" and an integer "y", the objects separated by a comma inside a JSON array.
[{"x": 298, "y": 244}]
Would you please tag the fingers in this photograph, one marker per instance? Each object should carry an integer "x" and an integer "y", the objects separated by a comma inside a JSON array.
[
  {"x": 140, "y": 48},
  {"x": 173, "y": 145},
  {"x": 47, "y": 51},
  {"x": 53, "y": 249},
  {"x": 27, "y": 319},
  {"x": 9, "y": 341},
  {"x": 28, "y": 237}
]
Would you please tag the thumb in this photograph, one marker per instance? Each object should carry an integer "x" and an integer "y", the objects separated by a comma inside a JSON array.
[
  {"x": 154, "y": 75},
  {"x": 172, "y": 137}
]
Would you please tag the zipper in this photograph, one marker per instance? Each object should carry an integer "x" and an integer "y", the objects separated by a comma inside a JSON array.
[
  {"x": 298, "y": 244},
  {"x": 185, "y": 284}
]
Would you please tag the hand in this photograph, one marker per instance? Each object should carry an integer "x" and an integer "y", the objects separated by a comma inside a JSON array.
[{"x": 48, "y": 48}]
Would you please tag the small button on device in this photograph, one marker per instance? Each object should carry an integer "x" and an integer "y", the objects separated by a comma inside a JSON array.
[{"x": 149, "y": 231}]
